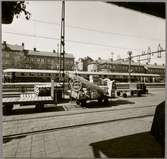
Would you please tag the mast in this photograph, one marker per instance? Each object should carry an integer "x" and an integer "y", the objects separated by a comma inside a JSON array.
[{"x": 62, "y": 46}]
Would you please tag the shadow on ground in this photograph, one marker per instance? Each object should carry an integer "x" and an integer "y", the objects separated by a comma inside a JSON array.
[
  {"x": 6, "y": 140},
  {"x": 95, "y": 104},
  {"x": 132, "y": 146},
  {"x": 31, "y": 110}
]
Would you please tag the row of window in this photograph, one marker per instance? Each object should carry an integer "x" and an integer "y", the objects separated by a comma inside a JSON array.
[
  {"x": 49, "y": 60},
  {"x": 33, "y": 74},
  {"x": 120, "y": 66},
  {"x": 157, "y": 70}
]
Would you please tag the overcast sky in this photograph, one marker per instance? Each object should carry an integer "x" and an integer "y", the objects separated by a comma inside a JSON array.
[{"x": 94, "y": 29}]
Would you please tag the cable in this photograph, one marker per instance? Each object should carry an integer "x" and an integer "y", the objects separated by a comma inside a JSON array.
[
  {"x": 97, "y": 31},
  {"x": 72, "y": 41},
  {"x": 31, "y": 35}
]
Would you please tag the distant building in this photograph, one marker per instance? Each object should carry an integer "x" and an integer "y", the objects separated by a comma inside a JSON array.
[
  {"x": 79, "y": 64},
  {"x": 123, "y": 67},
  {"x": 83, "y": 63},
  {"x": 156, "y": 69},
  {"x": 15, "y": 56},
  {"x": 93, "y": 67}
]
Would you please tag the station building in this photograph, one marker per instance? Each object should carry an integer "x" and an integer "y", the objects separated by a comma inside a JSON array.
[
  {"x": 109, "y": 65},
  {"x": 82, "y": 63},
  {"x": 16, "y": 56}
]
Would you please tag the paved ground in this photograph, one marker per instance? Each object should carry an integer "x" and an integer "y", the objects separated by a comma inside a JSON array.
[{"x": 69, "y": 134}]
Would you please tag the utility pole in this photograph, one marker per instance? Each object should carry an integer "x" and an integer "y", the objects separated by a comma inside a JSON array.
[
  {"x": 148, "y": 54},
  {"x": 62, "y": 46},
  {"x": 130, "y": 59},
  {"x": 58, "y": 49}
]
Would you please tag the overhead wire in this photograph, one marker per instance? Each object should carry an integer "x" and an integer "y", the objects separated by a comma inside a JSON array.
[
  {"x": 99, "y": 31},
  {"x": 77, "y": 41},
  {"x": 72, "y": 41}
]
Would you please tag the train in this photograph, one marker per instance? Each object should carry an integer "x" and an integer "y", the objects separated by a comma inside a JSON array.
[{"x": 34, "y": 75}]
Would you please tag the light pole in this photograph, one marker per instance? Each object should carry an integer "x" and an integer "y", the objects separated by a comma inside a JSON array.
[{"x": 130, "y": 59}]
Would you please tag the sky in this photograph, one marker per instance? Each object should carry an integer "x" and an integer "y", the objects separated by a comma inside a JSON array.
[{"x": 94, "y": 29}]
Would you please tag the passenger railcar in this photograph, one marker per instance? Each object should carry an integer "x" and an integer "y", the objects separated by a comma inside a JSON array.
[{"x": 33, "y": 75}]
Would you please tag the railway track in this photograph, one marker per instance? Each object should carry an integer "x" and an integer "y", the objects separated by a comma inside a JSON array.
[
  {"x": 73, "y": 113},
  {"x": 122, "y": 116},
  {"x": 20, "y": 135}
]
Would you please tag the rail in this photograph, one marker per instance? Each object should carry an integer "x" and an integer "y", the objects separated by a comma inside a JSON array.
[
  {"x": 78, "y": 112},
  {"x": 128, "y": 115}
]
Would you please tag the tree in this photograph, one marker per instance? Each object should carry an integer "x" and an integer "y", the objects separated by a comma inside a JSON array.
[{"x": 11, "y": 8}]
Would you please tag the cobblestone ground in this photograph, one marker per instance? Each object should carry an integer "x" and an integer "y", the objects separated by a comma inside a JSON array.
[{"x": 77, "y": 141}]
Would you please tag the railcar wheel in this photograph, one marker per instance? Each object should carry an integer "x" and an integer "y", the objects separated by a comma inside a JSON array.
[
  {"x": 100, "y": 101},
  {"x": 146, "y": 91},
  {"x": 118, "y": 93},
  {"x": 131, "y": 93},
  {"x": 124, "y": 95},
  {"x": 77, "y": 102},
  {"x": 39, "y": 107},
  {"x": 7, "y": 109},
  {"x": 106, "y": 101},
  {"x": 139, "y": 94},
  {"x": 83, "y": 103}
]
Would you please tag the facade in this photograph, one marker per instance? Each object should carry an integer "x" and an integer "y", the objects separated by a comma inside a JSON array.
[
  {"x": 15, "y": 56},
  {"x": 79, "y": 64},
  {"x": 82, "y": 63},
  {"x": 101, "y": 65},
  {"x": 156, "y": 69},
  {"x": 93, "y": 67}
]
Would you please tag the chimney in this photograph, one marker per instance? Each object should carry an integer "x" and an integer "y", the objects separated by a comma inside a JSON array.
[
  {"x": 5, "y": 44},
  {"x": 111, "y": 59},
  {"x": 35, "y": 49},
  {"x": 22, "y": 44}
]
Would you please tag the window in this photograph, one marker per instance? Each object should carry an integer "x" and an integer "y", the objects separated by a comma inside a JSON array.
[
  {"x": 38, "y": 59},
  {"x": 42, "y": 61},
  {"x": 7, "y": 54}
]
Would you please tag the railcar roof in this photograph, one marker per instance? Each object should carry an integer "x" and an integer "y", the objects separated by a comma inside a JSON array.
[{"x": 78, "y": 72}]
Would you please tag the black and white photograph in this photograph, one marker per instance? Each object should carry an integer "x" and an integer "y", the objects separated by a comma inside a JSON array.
[{"x": 83, "y": 79}]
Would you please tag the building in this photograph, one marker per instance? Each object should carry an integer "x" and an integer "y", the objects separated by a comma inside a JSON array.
[
  {"x": 156, "y": 69},
  {"x": 15, "y": 56},
  {"x": 102, "y": 65},
  {"x": 82, "y": 63},
  {"x": 93, "y": 67}
]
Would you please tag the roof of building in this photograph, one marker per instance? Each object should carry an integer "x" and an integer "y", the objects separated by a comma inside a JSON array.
[
  {"x": 104, "y": 61},
  {"x": 49, "y": 54},
  {"x": 13, "y": 47},
  {"x": 79, "y": 72},
  {"x": 32, "y": 52},
  {"x": 155, "y": 66}
]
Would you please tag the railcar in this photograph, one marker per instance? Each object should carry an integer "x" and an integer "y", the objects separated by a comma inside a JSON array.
[{"x": 34, "y": 75}]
